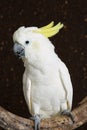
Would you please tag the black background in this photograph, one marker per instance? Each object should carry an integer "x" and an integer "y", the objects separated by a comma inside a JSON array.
[{"x": 70, "y": 44}]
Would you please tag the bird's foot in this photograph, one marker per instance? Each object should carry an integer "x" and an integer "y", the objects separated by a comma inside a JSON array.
[
  {"x": 36, "y": 119},
  {"x": 69, "y": 114}
]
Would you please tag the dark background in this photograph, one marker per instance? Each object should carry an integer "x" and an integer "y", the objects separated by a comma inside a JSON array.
[{"x": 70, "y": 43}]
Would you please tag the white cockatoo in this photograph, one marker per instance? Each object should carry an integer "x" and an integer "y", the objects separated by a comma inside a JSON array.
[{"x": 47, "y": 85}]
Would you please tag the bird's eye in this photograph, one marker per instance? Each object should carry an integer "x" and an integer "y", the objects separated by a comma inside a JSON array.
[{"x": 26, "y": 42}]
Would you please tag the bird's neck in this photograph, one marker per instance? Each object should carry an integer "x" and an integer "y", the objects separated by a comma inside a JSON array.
[{"x": 38, "y": 65}]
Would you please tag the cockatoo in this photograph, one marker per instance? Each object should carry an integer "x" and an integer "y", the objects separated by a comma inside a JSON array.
[{"x": 47, "y": 84}]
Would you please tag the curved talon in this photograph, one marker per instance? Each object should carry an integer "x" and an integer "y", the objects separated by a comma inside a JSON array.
[{"x": 69, "y": 114}]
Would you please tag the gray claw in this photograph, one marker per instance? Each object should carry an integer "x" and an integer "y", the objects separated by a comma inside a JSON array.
[
  {"x": 36, "y": 119},
  {"x": 69, "y": 114}
]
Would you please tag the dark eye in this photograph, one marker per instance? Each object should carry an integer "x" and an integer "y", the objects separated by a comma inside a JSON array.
[{"x": 26, "y": 42}]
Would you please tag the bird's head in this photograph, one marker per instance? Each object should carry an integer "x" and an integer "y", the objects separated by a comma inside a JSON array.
[{"x": 31, "y": 41}]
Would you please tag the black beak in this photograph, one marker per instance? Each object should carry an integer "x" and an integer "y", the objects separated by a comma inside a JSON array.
[{"x": 19, "y": 50}]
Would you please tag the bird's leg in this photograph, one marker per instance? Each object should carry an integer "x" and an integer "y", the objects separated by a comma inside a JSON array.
[
  {"x": 69, "y": 114},
  {"x": 36, "y": 119}
]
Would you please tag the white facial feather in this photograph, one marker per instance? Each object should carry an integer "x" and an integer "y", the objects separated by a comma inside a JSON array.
[{"x": 38, "y": 46}]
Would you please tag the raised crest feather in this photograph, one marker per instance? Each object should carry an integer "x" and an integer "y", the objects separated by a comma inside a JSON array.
[{"x": 50, "y": 30}]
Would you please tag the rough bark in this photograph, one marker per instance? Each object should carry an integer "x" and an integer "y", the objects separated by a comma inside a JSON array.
[{"x": 11, "y": 121}]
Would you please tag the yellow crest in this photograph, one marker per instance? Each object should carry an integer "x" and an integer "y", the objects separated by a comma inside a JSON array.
[{"x": 50, "y": 30}]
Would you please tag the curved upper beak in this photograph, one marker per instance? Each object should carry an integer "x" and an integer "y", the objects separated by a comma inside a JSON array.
[{"x": 19, "y": 50}]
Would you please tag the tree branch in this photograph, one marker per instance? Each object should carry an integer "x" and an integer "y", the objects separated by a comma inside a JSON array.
[{"x": 13, "y": 122}]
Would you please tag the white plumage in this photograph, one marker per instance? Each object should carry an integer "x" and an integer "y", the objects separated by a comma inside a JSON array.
[{"x": 47, "y": 85}]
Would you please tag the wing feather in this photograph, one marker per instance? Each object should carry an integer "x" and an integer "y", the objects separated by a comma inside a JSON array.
[
  {"x": 27, "y": 90},
  {"x": 67, "y": 84}
]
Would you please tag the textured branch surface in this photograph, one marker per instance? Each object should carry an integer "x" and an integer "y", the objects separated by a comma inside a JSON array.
[{"x": 11, "y": 121}]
